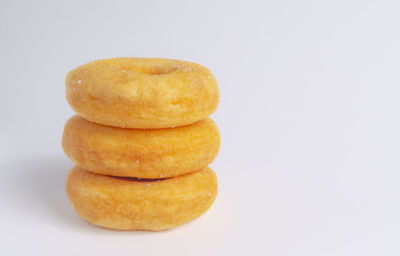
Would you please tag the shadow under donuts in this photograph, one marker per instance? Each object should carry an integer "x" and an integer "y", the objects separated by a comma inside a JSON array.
[{"x": 33, "y": 190}]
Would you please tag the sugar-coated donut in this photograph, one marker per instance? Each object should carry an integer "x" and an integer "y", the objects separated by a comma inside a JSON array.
[
  {"x": 142, "y": 92},
  {"x": 155, "y": 153},
  {"x": 125, "y": 204}
]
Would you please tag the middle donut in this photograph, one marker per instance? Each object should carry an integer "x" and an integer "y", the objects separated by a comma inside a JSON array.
[{"x": 158, "y": 153}]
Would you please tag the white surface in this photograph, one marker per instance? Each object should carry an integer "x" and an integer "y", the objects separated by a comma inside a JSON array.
[{"x": 309, "y": 117}]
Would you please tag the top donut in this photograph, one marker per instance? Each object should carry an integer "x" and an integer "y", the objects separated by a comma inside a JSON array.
[{"x": 142, "y": 92}]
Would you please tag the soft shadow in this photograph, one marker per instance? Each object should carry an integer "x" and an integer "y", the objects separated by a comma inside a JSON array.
[{"x": 35, "y": 188}]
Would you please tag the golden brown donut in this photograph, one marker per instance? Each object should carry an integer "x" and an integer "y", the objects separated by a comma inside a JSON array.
[
  {"x": 157, "y": 153},
  {"x": 124, "y": 204},
  {"x": 142, "y": 92}
]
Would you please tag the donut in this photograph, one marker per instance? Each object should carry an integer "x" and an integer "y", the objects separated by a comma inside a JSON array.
[
  {"x": 154, "y": 153},
  {"x": 142, "y": 92},
  {"x": 129, "y": 204}
]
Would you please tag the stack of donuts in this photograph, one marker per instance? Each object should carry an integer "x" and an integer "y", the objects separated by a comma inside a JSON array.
[{"x": 141, "y": 142}]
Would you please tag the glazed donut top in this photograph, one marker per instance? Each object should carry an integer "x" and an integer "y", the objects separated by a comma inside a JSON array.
[{"x": 142, "y": 92}]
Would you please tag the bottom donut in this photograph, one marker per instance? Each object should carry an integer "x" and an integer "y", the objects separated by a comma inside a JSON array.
[{"x": 132, "y": 204}]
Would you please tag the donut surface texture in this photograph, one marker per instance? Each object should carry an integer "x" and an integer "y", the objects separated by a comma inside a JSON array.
[
  {"x": 126, "y": 204},
  {"x": 142, "y": 92},
  {"x": 155, "y": 153}
]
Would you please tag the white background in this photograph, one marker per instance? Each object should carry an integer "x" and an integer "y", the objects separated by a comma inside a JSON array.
[{"x": 309, "y": 118}]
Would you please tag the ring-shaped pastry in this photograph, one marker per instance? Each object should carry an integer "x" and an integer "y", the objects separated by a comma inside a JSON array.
[
  {"x": 158, "y": 153},
  {"x": 129, "y": 204},
  {"x": 142, "y": 92}
]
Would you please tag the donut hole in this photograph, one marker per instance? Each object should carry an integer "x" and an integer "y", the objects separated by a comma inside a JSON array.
[
  {"x": 158, "y": 70},
  {"x": 144, "y": 67}
]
